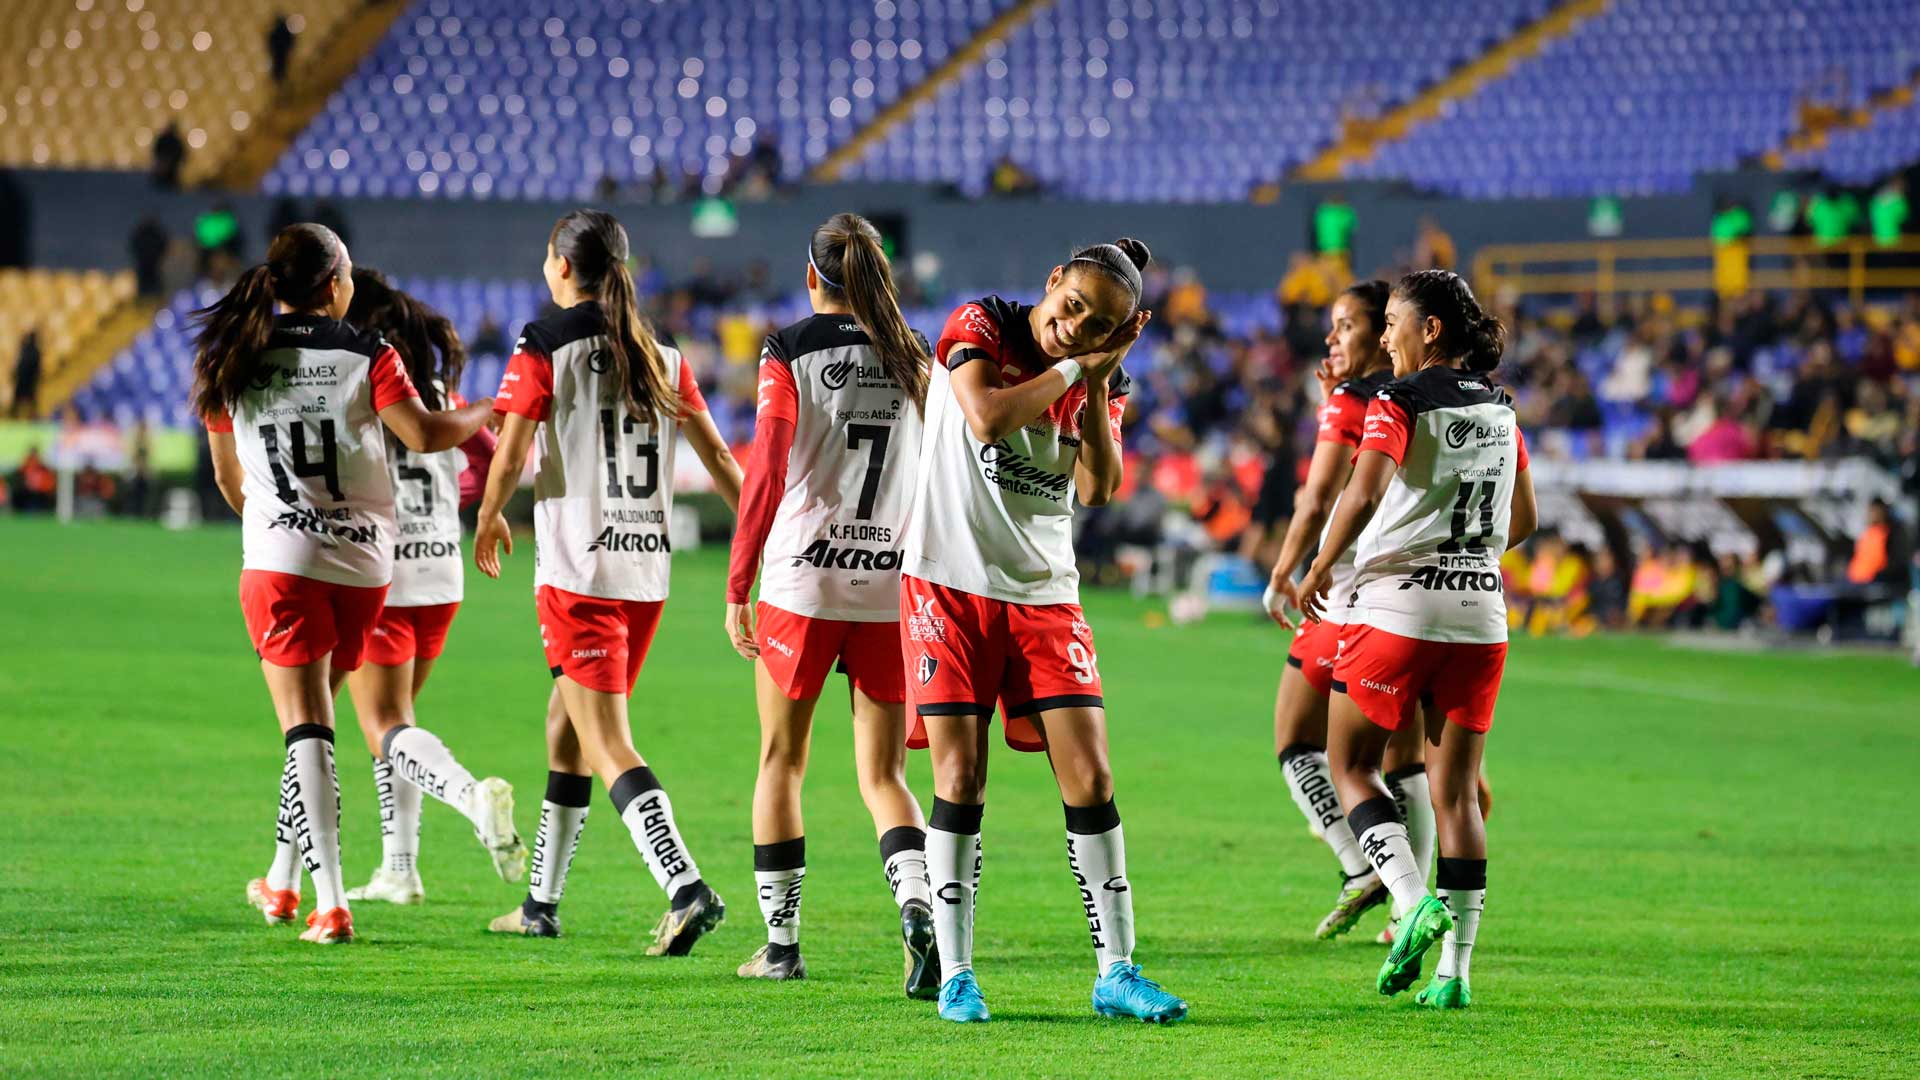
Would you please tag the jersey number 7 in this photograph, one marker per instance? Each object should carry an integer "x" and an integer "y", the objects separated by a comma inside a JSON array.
[
  {"x": 328, "y": 467},
  {"x": 876, "y": 435}
]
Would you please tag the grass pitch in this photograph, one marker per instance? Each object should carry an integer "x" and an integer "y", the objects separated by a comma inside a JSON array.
[{"x": 1701, "y": 864}]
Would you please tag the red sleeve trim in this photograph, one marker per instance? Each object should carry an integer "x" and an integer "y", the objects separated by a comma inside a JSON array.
[
  {"x": 526, "y": 388},
  {"x": 1389, "y": 429},
  {"x": 691, "y": 400},
  {"x": 391, "y": 383},
  {"x": 221, "y": 422},
  {"x": 1342, "y": 419},
  {"x": 1520, "y": 444},
  {"x": 779, "y": 397},
  {"x": 969, "y": 325},
  {"x": 1116, "y": 408},
  {"x": 760, "y": 494}
]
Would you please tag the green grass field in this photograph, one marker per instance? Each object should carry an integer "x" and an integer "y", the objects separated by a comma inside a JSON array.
[{"x": 1702, "y": 864}]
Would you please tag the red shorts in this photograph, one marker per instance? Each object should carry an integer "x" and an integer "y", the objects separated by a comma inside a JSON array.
[
  {"x": 597, "y": 643},
  {"x": 799, "y": 651},
  {"x": 410, "y": 633},
  {"x": 965, "y": 652},
  {"x": 296, "y": 620},
  {"x": 1316, "y": 646},
  {"x": 1386, "y": 675}
]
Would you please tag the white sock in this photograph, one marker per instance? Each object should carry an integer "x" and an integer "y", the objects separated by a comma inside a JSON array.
[
  {"x": 644, "y": 806},
  {"x": 1383, "y": 838},
  {"x": 419, "y": 757},
  {"x": 903, "y": 853},
  {"x": 778, "y": 872},
  {"x": 1414, "y": 797},
  {"x": 563, "y": 817},
  {"x": 316, "y": 822},
  {"x": 953, "y": 842},
  {"x": 284, "y": 874},
  {"x": 1463, "y": 888},
  {"x": 1097, "y": 855},
  {"x": 1310, "y": 782},
  {"x": 399, "y": 821}
]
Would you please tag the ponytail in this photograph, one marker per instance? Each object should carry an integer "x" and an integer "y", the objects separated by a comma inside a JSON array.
[
  {"x": 235, "y": 329},
  {"x": 426, "y": 341},
  {"x": 847, "y": 258},
  {"x": 596, "y": 246},
  {"x": 1467, "y": 333}
]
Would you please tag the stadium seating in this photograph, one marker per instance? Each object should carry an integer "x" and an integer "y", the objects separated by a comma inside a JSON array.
[
  {"x": 1171, "y": 100},
  {"x": 64, "y": 306},
  {"x": 1863, "y": 155},
  {"x": 498, "y": 98},
  {"x": 1642, "y": 97},
  {"x": 92, "y": 82}
]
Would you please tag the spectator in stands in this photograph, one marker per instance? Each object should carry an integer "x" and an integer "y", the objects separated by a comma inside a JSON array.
[
  {"x": 139, "y": 501},
  {"x": 1009, "y": 179},
  {"x": 1662, "y": 585},
  {"x": 1607, "y": 590},
  {"x": 1873, "y": 423},
  {"x": 490, "y": 339},
  {"x": 1727, "y": 436},
  {"x": 148, "y": 246},
  {"x": 1833, "y": 214},
  {"x": 169, "y": 156},
  {"x": 1574, "y": 406},
  {"x": 286, "y": 211},
  {"x": 1879, "y": 552},
  {"x": 1433, "y": 248},
  {"x": 1887, "y": 212},
  {"x": 1659, "y": 443},
  {"x": 280, "y": 39},
  {"x": 33, "y": 484},
  {"x": 1186, "y": 301},
  {"x": 1735, "y": 602},
  {"x": 26, "y": 379}
]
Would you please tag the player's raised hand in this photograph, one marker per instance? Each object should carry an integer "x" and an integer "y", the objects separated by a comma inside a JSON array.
[
  {"x": 740, "y": 631},
  {"x": 1327, "y": 379},
  {"x": 1312, "y": 595},
  {"x": 493, "y": 531},
  {"x": 1107, "y": 356}
]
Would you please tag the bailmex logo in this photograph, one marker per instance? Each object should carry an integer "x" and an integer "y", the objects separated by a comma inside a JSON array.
[{"x": 834, "y": 376}]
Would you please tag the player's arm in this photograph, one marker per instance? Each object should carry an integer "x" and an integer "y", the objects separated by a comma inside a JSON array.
[
  {"x": 1372, "y": 472},
  {"x": 1099, "y": 468},
  {"x": 1526, "y": 513},
  {"x": 775, "y": 414},
  {"x": 227, "y": 473},
  {"x": 426, "y": 432},
  {"x": 993, "y": 409},
  {"x": 704, "y": 436},
  {"x": 503, "y": 476},
  {"x": 1327, "y": 473}
]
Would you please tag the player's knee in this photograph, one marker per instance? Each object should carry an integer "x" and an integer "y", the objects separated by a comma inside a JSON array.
[
  {"x": 783, "y": 755},
  {"x": 961, "y": 780}
]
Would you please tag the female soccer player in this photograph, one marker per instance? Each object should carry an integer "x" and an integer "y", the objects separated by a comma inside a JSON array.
[
  {"x": 607, "y": 404},
  {"x": 421, "y": 602},
  {"x": 835, "y": 447},
  {"x": 1023, "y": 414},
  {"x": 1440, "y": 490},
  {"x": 294, "y": 403},
  {"x": 1356, "y": 367}
]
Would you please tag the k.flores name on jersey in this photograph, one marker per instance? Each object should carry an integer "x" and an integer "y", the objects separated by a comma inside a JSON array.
[{"x": 1017, "y": 473}]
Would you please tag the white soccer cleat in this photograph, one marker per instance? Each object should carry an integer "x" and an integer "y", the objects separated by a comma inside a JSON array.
[
  {"x": 492, "y": 801},
  {"x": 391, "y": 886}
]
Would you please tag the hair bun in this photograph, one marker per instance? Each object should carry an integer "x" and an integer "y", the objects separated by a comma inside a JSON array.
[{"x": 1135, "y": 251}]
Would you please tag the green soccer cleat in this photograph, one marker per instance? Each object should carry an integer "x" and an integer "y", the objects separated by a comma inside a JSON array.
[
  {"x": 1444, "y": 992},
  {"x": 1417, "y": 932},
  {"x": 1357, "y": 894}
]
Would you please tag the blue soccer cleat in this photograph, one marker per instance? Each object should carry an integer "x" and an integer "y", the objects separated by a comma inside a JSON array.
[
  {"x": 961, "y": 1001},
  {"x": 1123, "y": 991}
]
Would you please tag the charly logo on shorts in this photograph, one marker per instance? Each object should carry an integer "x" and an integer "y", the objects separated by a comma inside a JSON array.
[
  {"x": 600, "y": 361},
  {"x": 834, "y": 376},
  {"x": 925, "y": 668}
]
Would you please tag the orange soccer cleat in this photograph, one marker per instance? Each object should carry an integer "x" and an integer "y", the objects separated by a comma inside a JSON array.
[
  {"x": 278, "y": 905},
  {"x": 331, "y": 927}
]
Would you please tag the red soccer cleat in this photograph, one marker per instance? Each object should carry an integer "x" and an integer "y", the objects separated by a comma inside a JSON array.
[
  {"x": 278, "y": 905},
  {"x": 331, "y": 927}
]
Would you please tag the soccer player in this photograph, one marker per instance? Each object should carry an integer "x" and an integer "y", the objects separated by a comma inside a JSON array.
[
  {"x": 295, "y": 402},
  {"x": 1023, "y": 415},
  {"x": 603, "y": 404},
  {"x": 1440, "y": 490},
  {"x": 421, "y": 602},
  {"x": 1356, "y": 367},
  {"x": 835, "y": 447}
]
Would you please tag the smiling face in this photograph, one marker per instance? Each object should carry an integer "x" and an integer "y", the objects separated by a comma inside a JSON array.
[
  {"x": 1353, "y": 342},
  {"x": 1081, "y": 310},
  {"x": 1407, "y": 336}
]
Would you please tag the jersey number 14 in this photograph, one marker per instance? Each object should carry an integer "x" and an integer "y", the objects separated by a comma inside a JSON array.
[{"x": 327, "y": 468}]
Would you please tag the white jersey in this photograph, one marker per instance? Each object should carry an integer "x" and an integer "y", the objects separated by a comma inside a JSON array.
[
  {"x": 1342, "y": 421},
  {"x": 603, "y": 480},
  {"x": 1428, "y": 565},
  {"x": 997, "y": 521},
  {"x": 833, "y": 550},
  {"x": 426, "y": 555},
  {"x": 319, "y": 500}
]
